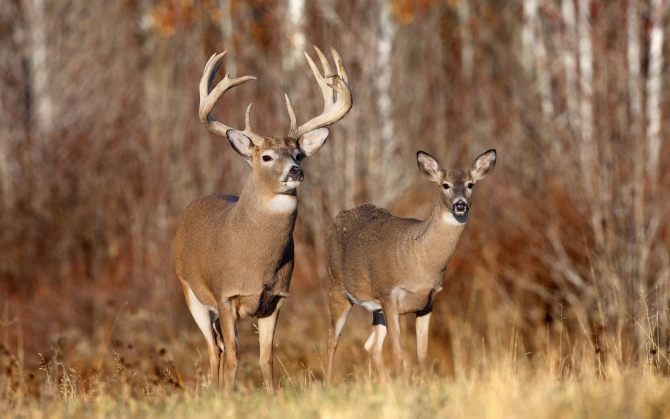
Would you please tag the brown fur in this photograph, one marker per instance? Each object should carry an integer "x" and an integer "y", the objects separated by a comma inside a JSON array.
[
  {"x": 397, "y": 264},
  {"x": 234, "y": 256}
]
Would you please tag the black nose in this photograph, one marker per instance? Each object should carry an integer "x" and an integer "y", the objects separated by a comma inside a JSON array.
[
  {"x": 460, "y": 206},
  {"x": 296, "y": 174}
]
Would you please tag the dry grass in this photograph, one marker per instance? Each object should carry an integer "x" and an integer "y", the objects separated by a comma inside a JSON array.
[
  {"x": 505, "y": 389},
  {"x": 146, "y": 364}
]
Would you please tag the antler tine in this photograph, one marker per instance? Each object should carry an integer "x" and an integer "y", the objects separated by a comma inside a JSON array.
[
  {"x": 208, "y": 74},
  {"x": 324, "y": 62},
  {"x": 209, "y": 98},
  {"x": 325, "y": 91},
  {"x": 247, "y": 120},
  {"x": 293, "y": 130},
  {"x": 335, "y": 110},
  {"x": 327, "y": 74},
  {"x": 340, "y": 65}
]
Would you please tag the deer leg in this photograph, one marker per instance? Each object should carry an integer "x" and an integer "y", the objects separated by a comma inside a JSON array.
[
  {"x": 266, "y": 332},
  {"x": 228, "y": 319},
  {"x": 422, "y": 322},
  {"x": 216, "y": 327},
  {"x": 393, "y": 326},
  {"x": 201, "y": 315},
  {"x": 340, "y": 306},
  {"x": 375, "y": 342}
]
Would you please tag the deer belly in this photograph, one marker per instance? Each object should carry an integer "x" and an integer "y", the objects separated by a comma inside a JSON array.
[
  {"x": 371, "y": 305},
  {"x": 260, "y": 305},
  {"x": 413, "y": 301}
]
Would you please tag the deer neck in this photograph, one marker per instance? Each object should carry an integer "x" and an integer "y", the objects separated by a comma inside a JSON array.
[
  {"x": 438, "y": 236},
  {"x": 262, "y": 206}
]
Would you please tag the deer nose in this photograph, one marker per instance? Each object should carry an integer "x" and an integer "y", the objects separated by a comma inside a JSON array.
[
  {"x": 296, "y": 174},
  {"x": 460, "y": 206}
]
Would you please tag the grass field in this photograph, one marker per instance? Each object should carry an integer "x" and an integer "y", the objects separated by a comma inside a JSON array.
[
  {"x": 499, "y": 393},
  {"x": 147, "y": 365}
]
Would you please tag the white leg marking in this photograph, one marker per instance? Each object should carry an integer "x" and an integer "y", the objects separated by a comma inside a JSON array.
[
  {"x": 371, "y": 339},
  {"x": 422, "y": 324},
  {"x": 340, "y": 323},
  {"x": 200, "y": 313},
  {"x": 376, "y": 339}
]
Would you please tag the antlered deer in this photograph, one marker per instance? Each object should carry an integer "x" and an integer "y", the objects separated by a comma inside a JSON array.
[
  {"x": 234, "y": 256},
  {"x": 394, "y": 266}
]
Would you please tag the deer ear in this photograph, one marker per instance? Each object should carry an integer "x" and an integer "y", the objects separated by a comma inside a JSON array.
[
  {"x": 240, "y": 142},
  {"x": 312, "y": 141},
  {"x": 483, "y": 165},
  {"x": 429, "y": 166}
]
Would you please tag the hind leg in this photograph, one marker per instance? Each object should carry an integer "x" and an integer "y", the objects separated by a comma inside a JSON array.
[
  {"x": 201, "y": 315},
  {"x": 375, "y": 342},
  {"x": 340, "y": 306}
]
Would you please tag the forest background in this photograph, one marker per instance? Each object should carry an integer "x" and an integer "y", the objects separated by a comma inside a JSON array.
[{"x": 564, "y": 264}]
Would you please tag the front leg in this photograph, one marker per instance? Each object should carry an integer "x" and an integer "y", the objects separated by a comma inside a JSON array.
[
  {"x": 390, "y": 309},
  {"x": 266, "y": 332},
  {"x": 422, "y": 322},
  {"x": 228, "y": 319}
]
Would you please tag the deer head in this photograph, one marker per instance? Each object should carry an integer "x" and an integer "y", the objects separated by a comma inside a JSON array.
[
  {"x": 456, "y": 184},
  {"x": 275, "y": 161}
]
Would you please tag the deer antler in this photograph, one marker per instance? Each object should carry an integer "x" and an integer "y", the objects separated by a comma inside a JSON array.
[
  {"x": 333, "y": 110},
  {"x": 208, "y": 99}
]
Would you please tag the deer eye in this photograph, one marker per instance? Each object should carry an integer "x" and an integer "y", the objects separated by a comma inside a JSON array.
[
  {"x": 445, "y": 186},
  {"x": 470, "y": 185},
  {"x": 267, "y": 158}
]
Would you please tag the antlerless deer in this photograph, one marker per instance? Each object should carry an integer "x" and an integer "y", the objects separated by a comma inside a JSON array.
[
  {"x": 392, "y": 265},
  {"x": 234, "y": 256}
]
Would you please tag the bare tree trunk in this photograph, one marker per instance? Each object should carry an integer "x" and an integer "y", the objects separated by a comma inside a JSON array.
[
  {"x": 467, "y": 49},
  {"x": 227, "y": 29},
  {"x": 535, "y": 55},
  {"x": 569, "y": 62},
  {"x": 587, "y": 146},
  {"x": 653, "y": 114},
  {"x": 639, "y": 242},
  {"x": 528, "y": 34},
  {"x": 385, "y": 185},
  {"x": 39, "y": 71},
  {"x": 14, "y": 105},
  {"x": 653, "y": 89},
  {"x": 295, "y": 14}
]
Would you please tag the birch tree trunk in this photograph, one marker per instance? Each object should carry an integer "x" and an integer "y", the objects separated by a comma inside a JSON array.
[
  {"x": 227, "y": 31},
  {"x": 467, "y": 48},
  {"x": 587, "y": 145},
  {"x": 527, "y": 35},
  {"x": 653, "y": 90},
  {"x": 385, "y": 185},
  {"x": 569, "y": 62},
  {"x": 638, "y": 242},
  {"x": 39, "y": 71},
  {"x": 295, "y": 14},
  {"x": 535, "y": 55},
  {"x": 653, "y": 115}
]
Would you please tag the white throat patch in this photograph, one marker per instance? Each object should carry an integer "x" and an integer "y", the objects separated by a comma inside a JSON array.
[
  {"x": 283, "y": 203},
  {"x": 450, "y": 219}
]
